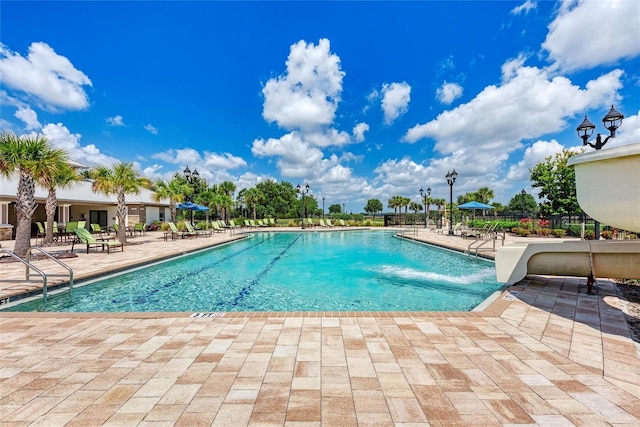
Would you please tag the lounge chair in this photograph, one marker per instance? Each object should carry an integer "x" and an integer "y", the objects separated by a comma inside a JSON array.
[
  {"x": 139, "y": 228},
  {"x": 328, "y": 222},
  {"x": 207, "y": 233},
  {"x": 342, "y": 223},
  {"x": 321, "y": 223},
  {"x": 40, "y": 232},
  {"x": 84, "y": 237},
  {"x": 216, "y": 228},
  {"x": 175, "y": 232},
  {"x": 82, "y": 224},
  {"x": 96, "y": 229}
]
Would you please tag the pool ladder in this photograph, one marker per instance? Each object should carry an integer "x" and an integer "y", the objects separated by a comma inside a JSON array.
[
  {"x": 413, "y": 230},
  {"x": 29, "y": 266}
]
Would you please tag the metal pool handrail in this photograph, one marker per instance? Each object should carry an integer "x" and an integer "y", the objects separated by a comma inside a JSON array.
[
  {"x": 28, "y": 264},
  {"x": 48, "y": 255}
]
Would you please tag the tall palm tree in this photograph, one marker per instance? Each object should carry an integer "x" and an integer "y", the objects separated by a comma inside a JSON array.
[
  {"x": 415, "y": 207},
  {"x": 28, "y": 156},
  {"x": 485, "y": 194},
  {"x": 228, "y": 188},
  {"x": 176, "y": 190},
  {"x": 121, "y": 179},
  {"x": 60, "y": 175},
  {"x": 405, "y": 201},
  {"x": 439, "y": 204},
  {"x": 428, "y": 201},
  {"x": 253, "y": 197}
]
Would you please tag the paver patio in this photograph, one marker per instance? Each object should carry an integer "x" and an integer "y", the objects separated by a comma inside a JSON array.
[{"x": 540, "y": 354}]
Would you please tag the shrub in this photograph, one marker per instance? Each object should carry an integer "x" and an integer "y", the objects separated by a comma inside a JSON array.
[
  {"x": 606, "y": 234},
  {"x": 543, "y": 232},
  {"x": 589, "y": 234},
  {"x": 523, "y": 232},
  {"x": 544, "y": 223},
  {"x": 632, "y": 236},
  {"x": 559, "y": 232},
  {"x": 525, "y": 223}
]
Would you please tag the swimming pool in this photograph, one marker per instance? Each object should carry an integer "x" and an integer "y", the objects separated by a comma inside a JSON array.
[{"x": 328, "y": 271}]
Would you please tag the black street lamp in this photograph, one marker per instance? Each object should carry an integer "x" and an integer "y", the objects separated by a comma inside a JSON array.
[
  {"x": 323, "y": 208},
  {"x": 191, "y": 177},
  {"x": 524, "y": 193},
  {"x": 425, "y": 196},
  {"x": 451, "y": 179},
  {"x": 304, "y": 191},
  {"x": 343, "y": 209},
  {"x": 612, "y": 121}
]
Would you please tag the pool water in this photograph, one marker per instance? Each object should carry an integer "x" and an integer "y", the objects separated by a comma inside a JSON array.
[{"x": 328, "y": 271}]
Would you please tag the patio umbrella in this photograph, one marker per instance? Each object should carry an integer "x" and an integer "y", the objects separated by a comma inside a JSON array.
[
  {"x": 474, "y": 205},
  {"x": 193, "y": 207}
]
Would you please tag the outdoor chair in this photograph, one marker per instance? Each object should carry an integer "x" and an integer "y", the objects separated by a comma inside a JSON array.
[
  {"x": 83, "y": 236},
  {"x": 40, "y": 232},
  {"x": 176, "y": 232},
  {"x": 139, "y": 228}
]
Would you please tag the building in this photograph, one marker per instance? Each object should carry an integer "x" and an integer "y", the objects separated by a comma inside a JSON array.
[{"x": 79, "y": 203}]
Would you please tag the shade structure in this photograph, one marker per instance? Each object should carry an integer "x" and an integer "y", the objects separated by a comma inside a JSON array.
[
  {"x": 474, "y": 205},
  {"x": 192, "y": 206}
]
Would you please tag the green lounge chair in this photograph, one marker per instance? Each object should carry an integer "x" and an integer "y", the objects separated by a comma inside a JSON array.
[
  {"x": 328, "y": 222},
  {"x": 139, "y": 228},
  {"x": 84, "y": 237},
  {"x": 82, "y": 224},
  {"x": 190, "y": 229},
  {"x": 176, "y": 232},
  {"x": 40, "y": 232}
]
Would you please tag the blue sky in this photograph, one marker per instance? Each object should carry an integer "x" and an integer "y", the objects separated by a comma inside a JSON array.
[{"x": 359, "y": 99}]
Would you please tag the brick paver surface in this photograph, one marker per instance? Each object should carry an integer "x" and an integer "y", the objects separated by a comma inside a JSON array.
[{"x": 543, "y": 353}]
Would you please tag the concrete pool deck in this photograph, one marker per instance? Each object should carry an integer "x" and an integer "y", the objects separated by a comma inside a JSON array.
[{"x": 542, "y": 353}]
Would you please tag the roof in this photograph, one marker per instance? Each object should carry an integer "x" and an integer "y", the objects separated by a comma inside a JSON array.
[{"x": 79, "y": 193}]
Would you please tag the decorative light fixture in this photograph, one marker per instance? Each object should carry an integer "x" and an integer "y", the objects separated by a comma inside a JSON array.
[
  {"x": 425, "y": 196},
  {"x": 303, "y": 191},
  {"x": 451, "y": 179},
  {"x": 612, "y": 122}
]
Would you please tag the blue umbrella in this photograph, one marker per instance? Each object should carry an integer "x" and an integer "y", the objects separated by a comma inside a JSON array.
[
  {"x": 474, "y": 205},
  {"x": 193, "y": 207}
]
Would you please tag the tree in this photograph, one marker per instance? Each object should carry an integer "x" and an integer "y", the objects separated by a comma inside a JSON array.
[
  {"x": 405, "y": 202},
  {"x": 516, "y": 204},
  {"x": 253, "y": 197},
  {"x": 121, "y": 179},
  {"x": 280, "y": 199},
  {"x": 415, "y": 207},
  {"x": 227, "y": 188},
  {"x": 29, "y": 156},
  {"x": 60, "y": 175},
  {"x": 335, "y": 209},
  {"x": 557, "y": 184},
  {"x": 177, "y": 190},
  {"x": 373, "y": 206},
  {"x": 484, "y": 195}
]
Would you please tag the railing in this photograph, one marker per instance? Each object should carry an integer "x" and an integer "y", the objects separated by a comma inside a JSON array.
[
  {"x": 491, "y": 236},
  {"x": 413, "y": 229},
  {"x": 48, "y": 255},
  {"x": 36, "y": 269}
]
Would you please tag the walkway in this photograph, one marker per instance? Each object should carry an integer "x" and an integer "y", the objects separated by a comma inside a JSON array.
[{"x": 540, "y": 354}]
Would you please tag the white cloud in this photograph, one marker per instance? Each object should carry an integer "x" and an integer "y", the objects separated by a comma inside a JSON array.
[
  {"x": 533, "y": 155},
  {"x": 330, "y": 137},
  {"x": 151, "y": 129},
  {"x": 586, "y": 34},
  {"x": 223, "y": 161},
  {"x": 448, "y": 92},
  {"x": 88, "y": 155},
  {"x": 29, "y": 118},
  {"x": 296, "y": 158},
  {"x": 359, "y": 130},
  {"x": 530, "y": 102},
  {"x": 115, "y": 121},
  {"x": 395, "y": 100},
  {"x": 306, "y": 97},
  {"x": 183, "y": 156},
  {"x": 44, "y": 74},
  {"x": 524, "y": 7}
]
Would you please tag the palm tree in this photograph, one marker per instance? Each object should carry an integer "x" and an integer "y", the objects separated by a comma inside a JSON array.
[
  {"x": 175, "y": 190},
  {"x": 428, "y": 201},
  {"x": 253, "y": 197},
  {"x": 228, "y": 188},
  {"x": 439, "y": 204},
  {"x": 484, "y": 194},
  {"x": 119, "y": 180},
  {"x": 28, "y": 156},
  {"x": 60, "y": 175},
  {"x": 415, "y": 207},
  {"x": 405, "y": 201}
]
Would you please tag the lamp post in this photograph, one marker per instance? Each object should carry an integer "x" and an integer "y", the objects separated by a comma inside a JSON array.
[
  {"x": 323, "y": 208},
  {"x": 612, "y": 121},
  {"x": 191, "y": 177},
  {"x": 343, "y": 209},
  {"x": 425, "y": 196},
  {"x": 451, "y": 179},
  {"x": 303, "y": 191},
  {"x": 524, "y": 193}
]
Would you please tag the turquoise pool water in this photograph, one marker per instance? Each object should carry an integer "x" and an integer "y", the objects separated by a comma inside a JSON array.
[{"x": 329, "y": 271}]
